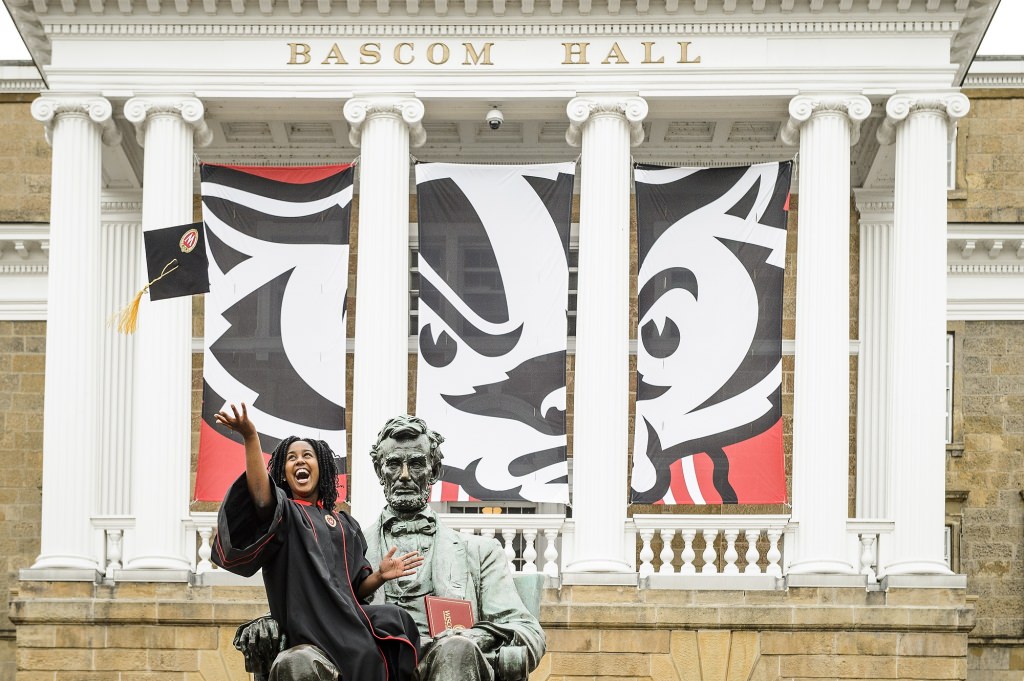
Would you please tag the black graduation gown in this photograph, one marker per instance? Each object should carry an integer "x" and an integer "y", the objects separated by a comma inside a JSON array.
[{"x": 312, "y": 569}]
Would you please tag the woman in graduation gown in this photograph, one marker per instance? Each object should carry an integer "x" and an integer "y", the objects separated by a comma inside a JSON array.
[{"x": 281, "y": 518}]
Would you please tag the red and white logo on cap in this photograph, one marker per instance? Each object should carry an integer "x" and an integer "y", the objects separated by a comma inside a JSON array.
[{"x": 189, "y": 240}]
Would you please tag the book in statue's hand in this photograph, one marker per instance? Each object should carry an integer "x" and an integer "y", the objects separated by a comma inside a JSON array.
[{"x": 445, "y": 614}]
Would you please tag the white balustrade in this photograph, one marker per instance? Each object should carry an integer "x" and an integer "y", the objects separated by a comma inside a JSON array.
[
  {"x": 759, "y": 567},
  {"x": 646, "y": 553},
  {"x": 519, "y": 537},
  {"x": 869, "y": 544},
  {"x": 200, "y": 528}
]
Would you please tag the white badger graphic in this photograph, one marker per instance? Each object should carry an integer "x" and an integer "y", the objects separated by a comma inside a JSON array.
[
  {"x": 694, "y": 388},
  {"x": 491, "y": 373}
]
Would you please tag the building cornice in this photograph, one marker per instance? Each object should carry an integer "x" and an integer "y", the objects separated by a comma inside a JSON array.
[{"x": 226, "y": 26}]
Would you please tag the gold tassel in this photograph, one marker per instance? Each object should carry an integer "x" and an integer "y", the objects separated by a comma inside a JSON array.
[{"x": 128, "y": 318}]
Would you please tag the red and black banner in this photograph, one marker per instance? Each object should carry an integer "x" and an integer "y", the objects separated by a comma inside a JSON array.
[
  {"x": 712, "y": 247},
  {"x": 278, "y": 245}
]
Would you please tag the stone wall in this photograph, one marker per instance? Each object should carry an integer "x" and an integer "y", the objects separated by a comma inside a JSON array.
[
  {"x": 22, "y": 347},
  {"x": 991, "y": 471},
  {"x": 986, "y": 466},
  {"x": 990, "y": 159},
  {"x": 24, "y": 163},
  {"x": 174, "y": 632}
]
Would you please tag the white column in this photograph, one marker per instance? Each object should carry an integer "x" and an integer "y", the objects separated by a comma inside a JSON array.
[
  {"x": 168, "y": 127},
  {"x": 383, "y": 127},
  {"x": 876, "y": 214},
  {"x": 121, "y": 244},
  {"x": 827, "y": 126},
  {"x": 77, "y": 127},
  {"x": 608, "y": 127},
  {"x": 917, "y": 328}
]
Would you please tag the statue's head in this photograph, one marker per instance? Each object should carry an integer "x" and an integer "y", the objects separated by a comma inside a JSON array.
[{"x": 407, "y": 458}]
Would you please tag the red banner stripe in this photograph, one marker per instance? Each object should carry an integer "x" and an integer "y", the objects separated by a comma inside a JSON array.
[
  {"x": 449, "y": 491},
  {"x": 291, "y": 175}
]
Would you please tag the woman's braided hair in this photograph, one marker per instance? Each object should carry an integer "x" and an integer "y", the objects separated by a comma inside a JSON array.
[{"x": 326, "y": 489}]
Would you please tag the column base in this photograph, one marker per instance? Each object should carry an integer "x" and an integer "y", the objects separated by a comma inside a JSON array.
[
  {"x": 60, "y": 574},
  {"x": 918, "y": 567},
  {"x": 600, "y": 579},
  {"x": 132, "y": 574},
  {"x": 599, "y": 566},
  {"x": 158, "y": 563},
  {"x": 821, "y": 567},
  {"x": 57, "y": 562},
  {"x": 950, "y": 581}
]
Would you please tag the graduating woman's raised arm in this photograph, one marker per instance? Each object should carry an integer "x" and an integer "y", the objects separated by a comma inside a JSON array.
[{"x": 255, "y": 467}]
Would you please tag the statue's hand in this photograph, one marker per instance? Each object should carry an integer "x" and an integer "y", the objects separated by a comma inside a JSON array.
[
  {"x": 260, "y": 641},
  {"x": 484, "y": 639}
]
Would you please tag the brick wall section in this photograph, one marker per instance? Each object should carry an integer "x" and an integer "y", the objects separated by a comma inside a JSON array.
[
  {"x": 24, "y": 163},
  {"x": 22, "y": 346},
  {"x": 991, "y": 470},
  {"x": 990, "y": 159}
]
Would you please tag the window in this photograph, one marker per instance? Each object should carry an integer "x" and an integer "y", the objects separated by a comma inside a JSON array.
[
  {"x": 955, "y": 331},
  {"x": 949, "y": 388}
]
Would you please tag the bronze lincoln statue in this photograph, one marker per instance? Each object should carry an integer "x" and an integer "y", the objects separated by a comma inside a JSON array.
[{"x": 506, "y": 641}]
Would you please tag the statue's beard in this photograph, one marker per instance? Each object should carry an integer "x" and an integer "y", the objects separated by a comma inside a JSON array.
[{"x": 406, "y": 502}]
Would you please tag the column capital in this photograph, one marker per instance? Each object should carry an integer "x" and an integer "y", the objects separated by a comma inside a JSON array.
[
  {"x": 47, "y": 108},
  {"x": 954, "y": 105},
  {"x": 409, "y": 109},
  {"x": 138, "y": 110},
  {"x": 875, "y": 206},
  {"x": 582, "y": 109},
  {"x": 802, "y": 107}
]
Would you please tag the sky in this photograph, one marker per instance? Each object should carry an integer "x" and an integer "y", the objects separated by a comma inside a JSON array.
[{"x": 1000, "y": 39}]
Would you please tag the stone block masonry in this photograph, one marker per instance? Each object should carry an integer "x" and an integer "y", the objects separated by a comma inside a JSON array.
[{"x": 177, "y": 632}]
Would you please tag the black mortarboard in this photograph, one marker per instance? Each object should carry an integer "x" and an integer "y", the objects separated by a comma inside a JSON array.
[
  {"x": 176, "y": 261},
  {"x": 177, "y": 265}
]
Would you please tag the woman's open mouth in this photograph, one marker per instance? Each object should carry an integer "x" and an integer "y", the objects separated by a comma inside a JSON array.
[{"x": 302, "y": 476}]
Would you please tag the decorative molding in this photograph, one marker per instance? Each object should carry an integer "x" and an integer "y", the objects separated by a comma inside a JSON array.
[
  {"x": 987, "y": 268},
  {"x": 581, "y": 109},
  {"x": 48, "y": 108},
  {"x": 954, "y": 104},
  {"x": 138, "y": 109},
  {"x": 27, "y": 86},
  {"x": 802, "y": 107},
  {"x": 23, "y": 310},
  {"x": 1015, "y": 80},
  {"x": 410, "y": 109},
  {"x": 803, "y": 28}
]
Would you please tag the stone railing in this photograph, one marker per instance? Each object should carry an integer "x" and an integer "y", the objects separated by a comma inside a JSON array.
[
  {"x": 709, "y": 546},
  {"x": 675, "y": 551},
  {"x": 519, "y": 535},
  {"x": 531, "y": 542},
  {"x": 869, "y": 541},
  {"x": 200, "y": 529}
]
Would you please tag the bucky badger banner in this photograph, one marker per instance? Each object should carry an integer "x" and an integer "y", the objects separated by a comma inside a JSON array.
[
  {"x": 493, "y": 269},
  {"x": 275, "y": 314},
  {"x": 712, "y": 246}
]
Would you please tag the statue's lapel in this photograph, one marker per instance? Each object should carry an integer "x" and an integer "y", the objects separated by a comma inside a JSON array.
[
  {"x": 372, "y": 537},
  {"x": 448, "y": 566}
]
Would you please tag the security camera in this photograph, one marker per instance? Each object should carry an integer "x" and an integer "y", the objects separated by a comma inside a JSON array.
[{"x": 495, "y": 119}]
